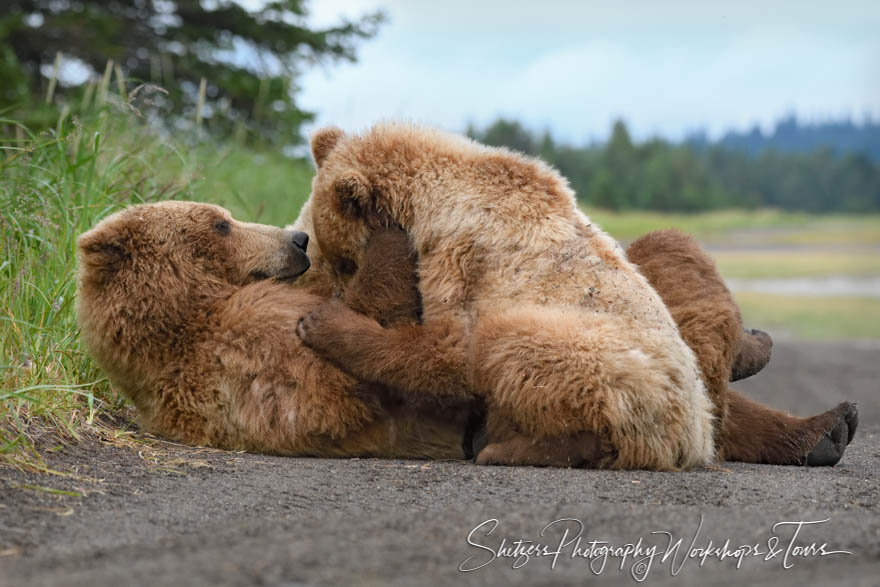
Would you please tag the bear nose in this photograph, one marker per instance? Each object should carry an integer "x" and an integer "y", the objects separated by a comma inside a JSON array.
[{"x": 301, "y": 239}]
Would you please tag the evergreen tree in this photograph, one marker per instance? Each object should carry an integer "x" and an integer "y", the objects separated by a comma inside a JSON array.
[
  {"x": 694, "y": 175},
  {"x": 508, "y": 133},
  {"x": 250, "y": 59}
]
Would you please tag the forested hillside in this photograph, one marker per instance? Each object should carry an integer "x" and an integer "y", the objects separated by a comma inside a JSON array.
[{"x": 656, "y": 174}]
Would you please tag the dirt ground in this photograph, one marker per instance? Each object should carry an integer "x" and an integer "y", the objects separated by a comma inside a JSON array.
[{"x": 163, "y": 515}]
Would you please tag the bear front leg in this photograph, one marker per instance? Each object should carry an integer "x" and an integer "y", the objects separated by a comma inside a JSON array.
[
  {"x": 429, "y": 359},
  {"x": 386, "y": 286}
]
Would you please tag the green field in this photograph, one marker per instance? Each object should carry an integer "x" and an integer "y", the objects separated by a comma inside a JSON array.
[
  {"x": 748, "y": 228},
  {"x": 811, "y": 262},
  {"x": 812, "y": 318},
  {"x": 55, "y": 185}
]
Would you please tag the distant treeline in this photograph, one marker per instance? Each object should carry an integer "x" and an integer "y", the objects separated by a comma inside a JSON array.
[
  {"x": 693, "y": 176},
  {"x": 791, "y": 136}
]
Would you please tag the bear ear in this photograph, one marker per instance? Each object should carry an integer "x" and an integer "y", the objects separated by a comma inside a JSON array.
[
  {"x": 352, "y": 192},
  {"x": 102, "y": 252},
  {"x": 323, "y": 142}
]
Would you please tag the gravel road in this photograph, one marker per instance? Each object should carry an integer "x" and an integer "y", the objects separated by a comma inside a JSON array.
[{"x": 165, "y": 515}]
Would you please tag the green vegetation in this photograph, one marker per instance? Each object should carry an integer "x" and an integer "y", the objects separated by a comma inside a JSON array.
[
  {"x": 809, "y": 318},
  {"x": 780, "y": 264},
  {"x": 233, "y": 66},
  {"x": 55, "y": 185},
  {"x": 752, "y": 228},
  {"x": 255, "y": 185},
  {"x": 659, "y": 175}
]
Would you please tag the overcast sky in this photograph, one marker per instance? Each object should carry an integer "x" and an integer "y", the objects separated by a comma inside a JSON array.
[{"x": 666, "y": 67}]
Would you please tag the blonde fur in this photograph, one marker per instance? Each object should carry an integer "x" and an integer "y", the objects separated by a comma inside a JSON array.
[{"x": 542, "y": 314}]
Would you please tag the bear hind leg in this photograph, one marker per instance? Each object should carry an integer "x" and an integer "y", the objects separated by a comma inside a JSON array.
[
  {"x": 755, "y": 433},
  {"x": 557, "y": 374}
]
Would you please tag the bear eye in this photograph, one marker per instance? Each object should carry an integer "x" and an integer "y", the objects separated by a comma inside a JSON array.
[{"x": 222, "y": 226}]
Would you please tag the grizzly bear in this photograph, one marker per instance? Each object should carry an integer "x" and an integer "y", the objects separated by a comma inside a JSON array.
[
  {"x": 130, "y": 336},
  {"x": 362, "y": 183},
  {"x": 526, "y": 304},
  {"x": 710, "y": 322},
  {"x": 192, "y": 315}
]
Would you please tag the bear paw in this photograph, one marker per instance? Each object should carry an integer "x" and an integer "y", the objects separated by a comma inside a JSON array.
[
  {"x": 754, "y": 353},
  {"x": 335, "y": 331},
  {"x": 830, "y": 448},
  {"x": 317, "y": 329}
]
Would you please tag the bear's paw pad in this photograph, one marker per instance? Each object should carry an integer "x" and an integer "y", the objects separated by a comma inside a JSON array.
[{"x": 830, "y": 448}]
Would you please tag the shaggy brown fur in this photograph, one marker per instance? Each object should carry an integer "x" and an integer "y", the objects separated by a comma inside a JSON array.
[
  {"x": 174, "y": 304},
  {"x": 141, "y": 253},
  {"x": 683, "y": 275},
  {"x": 710, "y": 322},
  {"x": 526, "y": 303}
]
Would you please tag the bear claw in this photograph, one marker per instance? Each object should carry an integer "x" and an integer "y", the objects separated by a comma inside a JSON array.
[{"x": 302, "y": 329}]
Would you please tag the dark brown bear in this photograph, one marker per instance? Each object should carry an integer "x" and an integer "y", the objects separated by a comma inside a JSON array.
[{"x": 710, "y": 322}]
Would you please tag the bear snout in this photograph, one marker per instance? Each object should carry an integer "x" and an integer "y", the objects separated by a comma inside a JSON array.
[
  {"x": 297, "y": 261},
  {"x": 300, "y": 239}
]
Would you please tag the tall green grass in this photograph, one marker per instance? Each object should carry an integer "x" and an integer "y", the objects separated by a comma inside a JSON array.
[{"x": 56, "y": 185}]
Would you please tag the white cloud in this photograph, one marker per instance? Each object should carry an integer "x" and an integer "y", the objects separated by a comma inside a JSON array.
[{"x": 667, "y": 68}]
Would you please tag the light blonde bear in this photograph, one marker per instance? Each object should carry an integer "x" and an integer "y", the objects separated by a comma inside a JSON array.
[{"x": 526, "y": 302}]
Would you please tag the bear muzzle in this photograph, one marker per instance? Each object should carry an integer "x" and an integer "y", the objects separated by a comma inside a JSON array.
[
  {"x": 297, "y": 260},
  {"x": 300, "y": 239}
]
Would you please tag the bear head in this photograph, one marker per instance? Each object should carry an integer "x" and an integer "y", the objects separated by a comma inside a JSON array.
[
  {"x": 149, "y": 275},
  {"x": 186, "y": 238},
  {"x": 363, "y": 183}
]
